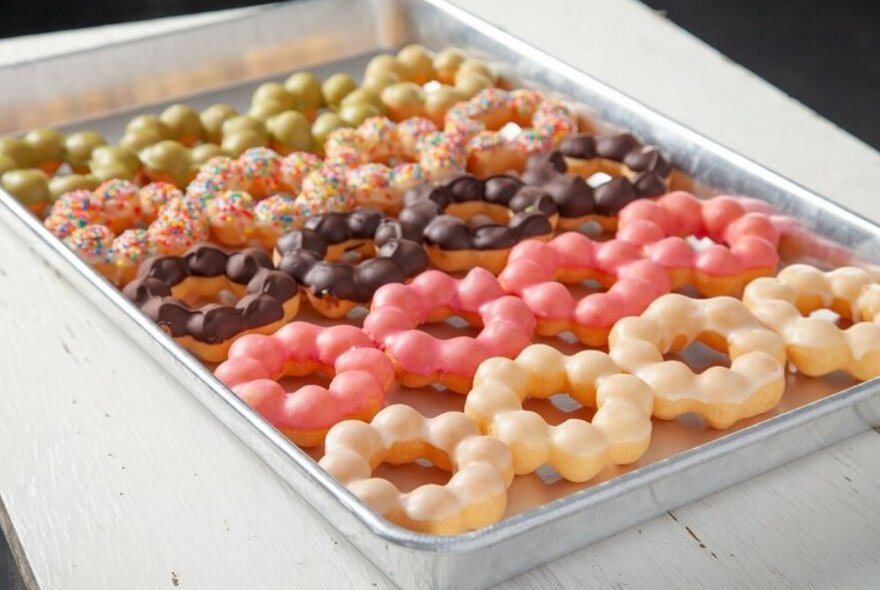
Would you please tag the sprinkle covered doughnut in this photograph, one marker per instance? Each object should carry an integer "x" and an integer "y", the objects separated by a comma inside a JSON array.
[
  {"x": 122, "y": 210},
  {"x": 420, "y": 358},
  {"x": 181, "y": 224},
  {"x": 384, "y": 158},
  {"x": 619, "y": 433},
  {"x": 536, "y": 272},
  {"x": 637, "y": 171},
  {"x": 753, "y": 384},
  {"x": 268, "y": 298},
  {"x": 259, "y": 170},
  {"x": 745, "y": 244},
  {"x": 815, "y": 345},
  {"x": 440, "y": 213},
  {"x": 297, "y": 185},
  {"x": 91, "y": 243},
  {"x": 543, "y": 121},
  {"x": 361, "y": 376},
  {"x": 314, "y": 255},
  {"x": 481, "y": 467},
  {"x": 263, "y": 194}
]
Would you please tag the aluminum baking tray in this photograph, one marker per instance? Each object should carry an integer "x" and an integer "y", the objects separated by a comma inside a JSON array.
[{"x": 222, "y": 61}]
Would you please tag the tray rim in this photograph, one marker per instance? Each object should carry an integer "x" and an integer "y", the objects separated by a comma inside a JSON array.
[{"x": 514, "y": 525}]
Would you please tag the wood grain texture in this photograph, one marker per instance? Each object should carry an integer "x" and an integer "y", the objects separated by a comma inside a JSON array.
[{"x": 114, "y": 477}]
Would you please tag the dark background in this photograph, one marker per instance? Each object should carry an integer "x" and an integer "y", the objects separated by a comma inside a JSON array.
[{"x": 824, "y": 53}]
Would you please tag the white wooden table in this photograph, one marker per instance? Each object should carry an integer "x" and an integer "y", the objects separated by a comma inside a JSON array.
[{"x": 112, "y": 476}]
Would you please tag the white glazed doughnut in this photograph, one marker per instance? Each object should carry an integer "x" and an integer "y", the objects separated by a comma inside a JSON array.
[
  {"x": 753, "y": 384},
  {"x": 619, "y": 433},
  {"x": 815, "y": 345},
  {"x": 475, "y": 496}
]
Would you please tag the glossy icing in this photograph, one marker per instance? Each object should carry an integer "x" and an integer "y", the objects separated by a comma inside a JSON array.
[
  {"x": 481, "y": 467},
  {"x": 619, "y": 432},
  {"x": 753, "y": 383},
  {"x": 361, "y": 375},
  {"x": 816, "y": 345},
  {"x": 398, "y": 310}
]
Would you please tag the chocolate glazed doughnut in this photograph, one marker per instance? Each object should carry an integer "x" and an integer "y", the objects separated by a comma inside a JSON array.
[
  {"x": 268, "y": 298},
  {"x": 637, "y": 171},
  {"x": 315, "y": 258},
  {"x": 440, "y": 212}
]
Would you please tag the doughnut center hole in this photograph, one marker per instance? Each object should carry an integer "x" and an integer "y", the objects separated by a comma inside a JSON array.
[
  {"x": 700, "y": 356},
  {"x": 692, "y": 420},
  {"x": 453, "y": 326},
  {"x": 351, "y": 256},
  {"x": 479, "y": 213},
  {"x": 548, "y": 474},
  {"x": 352, "y": 251},
  {"x": 357, "y": 313},
  {"x": 456, "y": 321},
  {"x": 479, "y": 220},
  {"x": 558, "y": 408},
  {"x": 590, "y": 228},
  {"x": 293, "y": 383},
  {"x": 200, "y": 299},
  {"x": 568, "y": 337},
  {"x": 586, "y": 287},
  {"x": 414, "y": 468}
]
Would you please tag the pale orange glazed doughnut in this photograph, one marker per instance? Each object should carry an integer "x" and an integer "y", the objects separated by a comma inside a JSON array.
[
  {"x": 482, "y": 468},
  {"x": 619, "y": 433},
  {"x": 817, "y": 346},
  {"x": 753, "y": 384}
]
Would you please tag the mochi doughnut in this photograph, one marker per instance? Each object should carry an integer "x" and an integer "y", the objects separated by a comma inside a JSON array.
[{"x": 481, "y": 467}]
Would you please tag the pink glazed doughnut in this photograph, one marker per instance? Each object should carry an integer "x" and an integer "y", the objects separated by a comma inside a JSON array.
[
  {"x": 746, "y": 239},
  {"x": 361, "y": 376},
  {"x": 537, "y": 270},
  {"x": 421, "y": 359},
  {"x": 797, "y": 242}
]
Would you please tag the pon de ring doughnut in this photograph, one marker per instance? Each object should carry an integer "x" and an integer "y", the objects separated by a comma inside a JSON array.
[
  {"x": 361, "y": 376},
  {"x": 816, "y": 345},
  {"x": 753, "y": 384},
  {"x": 537, "y": 270},
  {"x": 619, "y": 432},
  {"x": 422, "y": 359},
  {"x": 746, "y": 243},
  {"x": 475, "y": 496}
]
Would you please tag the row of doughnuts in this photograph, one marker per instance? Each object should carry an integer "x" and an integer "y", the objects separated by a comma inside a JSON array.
[
  {"x": 294, "y": 115},
  {"x": 221, "y": 199}
]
